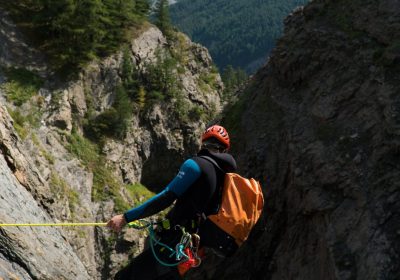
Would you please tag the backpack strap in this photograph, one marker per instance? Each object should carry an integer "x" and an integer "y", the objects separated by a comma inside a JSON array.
[
  {"x": 211, "y": 234},
  {"x": 218, "y": 169},
  {"x": 210, "y": 159}
]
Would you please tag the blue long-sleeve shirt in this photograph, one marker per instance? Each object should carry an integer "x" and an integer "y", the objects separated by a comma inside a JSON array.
[{"x": 189, "y": 172}]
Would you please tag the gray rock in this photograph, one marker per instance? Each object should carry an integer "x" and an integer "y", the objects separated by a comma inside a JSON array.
[
  {"x": 39, "y": 252},
  {"x": 330, "y": 164}
]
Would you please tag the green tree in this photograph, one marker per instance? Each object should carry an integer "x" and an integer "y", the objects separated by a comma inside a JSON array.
[
  {"x": 163, "y": 20},
  {"x": 130, "y": 75},
  {"x": 233, "y": 79},
  {"x": 123, "y": 106},
  {"x": 161, "y": 77},
  {"x": 72, "y": 32},
  {"x": 236, "y": 32},
  {"x": 114, "y": 121},
  {"x": 142, "y": 7}
]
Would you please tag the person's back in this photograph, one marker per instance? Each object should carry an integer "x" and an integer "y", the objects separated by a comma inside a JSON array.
[
  {"x": 197, "y": 191},
  {"x": 204, "y": 195}
]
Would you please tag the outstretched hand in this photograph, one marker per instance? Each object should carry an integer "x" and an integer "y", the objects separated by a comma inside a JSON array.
[{"x": 117, "y": 223}]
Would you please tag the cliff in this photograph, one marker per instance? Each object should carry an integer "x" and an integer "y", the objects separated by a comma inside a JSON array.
[
  {"x": 51, "y": 172},
  {"x": 319, "y": 126}
]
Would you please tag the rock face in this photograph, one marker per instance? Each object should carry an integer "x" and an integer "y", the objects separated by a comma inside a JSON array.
[
  {"x": 157, "y": 141},
  {"x": 322, "y": 127},
  {"x": 42, "y": 180},
  {"x": 28, "y": 252}
]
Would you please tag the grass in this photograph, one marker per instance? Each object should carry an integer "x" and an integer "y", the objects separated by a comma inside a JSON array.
[
  {"x": 138, "y": 192},
  {"x": 207, "y": 80},
  {"x": 21, "y": 85},
  {"x": 22, "y": 121},
  {"x": 49, "y": 157},
  {"x": 105, "y": 184},
  {"x": 197, "y": 113},
  {"x": 19, "y": 123},
  {"x": 83, "y": 149},
  {"x": 61, "y": 189}
]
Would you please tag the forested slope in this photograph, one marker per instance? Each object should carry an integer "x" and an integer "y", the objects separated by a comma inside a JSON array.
[
  {"x": 236, "y": 32},
  {"x": 74, "y": 32}
]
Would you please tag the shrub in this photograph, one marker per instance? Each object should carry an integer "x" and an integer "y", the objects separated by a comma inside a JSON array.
[
  {"x": 114, "y": 121},
  {"x": 22, "y": 84}
]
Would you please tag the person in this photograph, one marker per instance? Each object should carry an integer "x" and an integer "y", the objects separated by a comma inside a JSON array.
[{"x": 196, "y": 191}]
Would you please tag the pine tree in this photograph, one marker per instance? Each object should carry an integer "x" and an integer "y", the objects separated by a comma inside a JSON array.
[
  {"x": 163, "y": 20},
  {"x": 142, "y": 7},
  {"x": 233, "y": 79},
  {"x": 123, "y": 107},
  {"x": 72, "y": 32}
]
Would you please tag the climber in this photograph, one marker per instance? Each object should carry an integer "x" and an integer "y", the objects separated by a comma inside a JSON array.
[{"x": 197, "y": 191}]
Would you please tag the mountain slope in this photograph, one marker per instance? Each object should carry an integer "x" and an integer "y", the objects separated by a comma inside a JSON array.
[
  {"x": 320, "y": 127},
  {"x": 238, "y": 33},
  {"x": 161, "y": 92}
]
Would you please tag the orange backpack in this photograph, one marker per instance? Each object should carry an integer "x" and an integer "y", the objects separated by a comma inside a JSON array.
[{"x": 241, "y": 205}]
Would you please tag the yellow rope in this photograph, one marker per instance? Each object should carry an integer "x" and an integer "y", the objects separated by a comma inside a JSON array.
[
  {"x": 138, "y": 223},
  {"x": 54, "y": 225}
]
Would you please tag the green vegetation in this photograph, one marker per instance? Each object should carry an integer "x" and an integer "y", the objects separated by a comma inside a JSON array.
[
  {"x": 60, "y": 189},
  {"x": 236, "y": 32},
  {"x": 233, "y": 80},
  {"x": 208, "y": 79},
  {"x": 234, "y": 112},
  {"x": 114, "y": 121},
  {"x": 160, "y": 79},
  {"x": 105, "y": 184},
  {"x": 21, "y": 85},
  {"x": 163, "y": 20},
  {"x": 139, "y": 90},
  {"x": 19, "y": 123},
  {"x": 83, "y": 149},
  {"x": 25, "y": 119},
  {"x": 49, "y": 157},
  {"x": 138, "y": 192},
  {"x": 130, "y": 75},
  {"x": 72, "y": 32}
]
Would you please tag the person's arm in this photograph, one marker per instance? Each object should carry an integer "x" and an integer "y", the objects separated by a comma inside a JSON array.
[
  {"x": 152, "y": 206},
  {"x": 188, "y": 174}
]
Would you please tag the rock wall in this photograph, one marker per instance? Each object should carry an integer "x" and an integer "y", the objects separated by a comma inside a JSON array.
[
  {"x": 28, "y": 252},
  {"x": 155, "y": 137},
  {"x": 45, "y": 182},
  {"x": 320, "y": 128}
]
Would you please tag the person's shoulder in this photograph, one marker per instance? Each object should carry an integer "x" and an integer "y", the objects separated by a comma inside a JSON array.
[
  {"x": 191, "y": 163},
  {"x": 201, "y": 161},
  {"x": 228, "y": 162}
]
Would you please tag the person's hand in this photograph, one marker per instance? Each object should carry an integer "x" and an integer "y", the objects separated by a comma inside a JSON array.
[{"x": 117, "y": 223}]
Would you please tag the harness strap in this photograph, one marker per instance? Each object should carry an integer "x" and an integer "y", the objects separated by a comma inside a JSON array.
[{"x": 183, "y": 249}]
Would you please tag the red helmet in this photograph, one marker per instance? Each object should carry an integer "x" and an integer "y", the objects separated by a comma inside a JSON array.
[{"x": 219, "y": 133}]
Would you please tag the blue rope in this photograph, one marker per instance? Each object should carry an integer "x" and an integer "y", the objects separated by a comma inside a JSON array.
[
  {"x": 180, "y": 254},
  {"x": 153, "y": 240}
]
